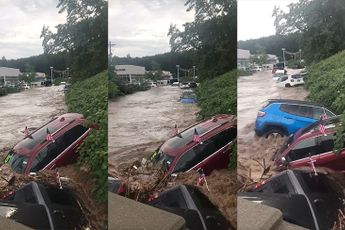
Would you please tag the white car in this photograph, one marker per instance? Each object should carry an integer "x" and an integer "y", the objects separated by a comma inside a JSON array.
[
  {"x": 291, "y": 80},
  {"x": 279, "y": 73},
  {"x": 152, "y": 84},
  {"x": 257, "y": 68},
  {"x": 26, "y": 86}
]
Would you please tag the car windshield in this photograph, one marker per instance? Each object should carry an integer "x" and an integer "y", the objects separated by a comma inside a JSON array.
[
  {"x": 164, "y": 160},
  {"x": 284, "y": 78},
  {"x": 17, "y": 162},
  {"x": 184, "y": 138},
  {"x": 37, "y": 137},
  {"x": 188, "y": 95}
]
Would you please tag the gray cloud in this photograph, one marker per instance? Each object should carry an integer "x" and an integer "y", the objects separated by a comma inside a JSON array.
[
  {"x": 140, "y": 28},
  {"x": 21, "y": 23}
]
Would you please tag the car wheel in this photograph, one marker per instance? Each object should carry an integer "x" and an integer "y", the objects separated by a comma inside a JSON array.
[
  {"x": 274, "y": 133},
  {"x": 287, "y": 85}
]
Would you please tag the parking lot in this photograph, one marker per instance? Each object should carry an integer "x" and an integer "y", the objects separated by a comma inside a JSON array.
[{"x": 253, "y": 92}]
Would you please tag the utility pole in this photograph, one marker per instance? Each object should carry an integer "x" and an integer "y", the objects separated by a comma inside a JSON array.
[
  {"x": 51, "y": 74},
  {"x": 110, "y": 45},
  {"x": 300, "y": 56},
  {"x": 283, "y": 49},
  {"x": 178, "y": 73}
]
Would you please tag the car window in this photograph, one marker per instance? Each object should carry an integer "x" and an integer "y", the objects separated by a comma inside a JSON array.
[
  {"x": 292, "y": 109},
  {"x": 303, "y": 149},
  {"x": 224, "y": 137},
  {"x": 305, "y": 111},
  {"x": 195, "y": 155},
  {"x": 184, "y": 137},
  {"x": 49, "y": 153},
  {"x": 37, "y": 137},
  {"x": 325, "y": 143},
  {"x": 18, "y": 162},
  {"x": 284, "y": 78}
]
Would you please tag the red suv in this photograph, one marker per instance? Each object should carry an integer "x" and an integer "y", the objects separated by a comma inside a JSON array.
[
  {"x": 181, "y": 154},
  {"x": 309, "y": 145},
  {"x": 49, "y": 146}
]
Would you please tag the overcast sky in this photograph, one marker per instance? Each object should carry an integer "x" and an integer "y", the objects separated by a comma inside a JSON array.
[
  {"x": 21, "y": 23},
  {"x": 140, "y": 27},
  {"x": 255, "y": 17}
]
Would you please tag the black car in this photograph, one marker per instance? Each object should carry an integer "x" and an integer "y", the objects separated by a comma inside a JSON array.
[
  {"x": 306, "y": 199},
  {"x": 42, "y": 206},
  {"x": 197, "y": 210}
]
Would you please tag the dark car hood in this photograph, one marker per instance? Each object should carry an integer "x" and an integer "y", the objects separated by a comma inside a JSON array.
[{"x": 295, "y": 208}]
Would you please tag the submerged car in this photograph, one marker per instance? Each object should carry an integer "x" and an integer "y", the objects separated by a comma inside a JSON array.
[
  {"x": 291, "y": 80},
  {"x": 278, "y": 74},
  {"x": 188, "y": 97},
  {"x": 117, "y": 186},
  {"x": 50, "y": 146},
  {"x": 312, "y": 146},
  {"x": 306, "y": 199},
  {"x": 182, "y": 153},
  {"x": 42, "y": 206},
  {"x": 284, "y": 117},
  {"x": 197, "y": 210}
]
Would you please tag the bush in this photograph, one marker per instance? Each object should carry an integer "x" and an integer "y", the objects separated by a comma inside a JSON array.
[
  {"x": 218, "y": 95},
  {"x": 241, "y": 72},
  {"x": 90, "y": 98},
  {"x": 6, "y": 90},
  {"x": 326, "y": 84}
]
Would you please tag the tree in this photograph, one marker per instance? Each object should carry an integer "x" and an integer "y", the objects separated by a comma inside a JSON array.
[
  {"x": 83, "y": 37},
  {"x": 321, "y": 24},
  {"x": 211, "y": 36}
]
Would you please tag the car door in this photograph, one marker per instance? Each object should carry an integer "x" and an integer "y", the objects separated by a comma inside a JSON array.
[
  {"x": 69, "y": 142},
  {"x": 296, "y": 116},
  {"x": 218, "y": 154},
  {"x": 303, "y": 153},
  {"x": 327, "y": 156}
]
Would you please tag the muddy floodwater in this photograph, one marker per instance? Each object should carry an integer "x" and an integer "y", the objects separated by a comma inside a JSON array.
[
  {"x": 30, "y": 108},
  {"x": 252, "y": 93},
  {"x": 139, "y": 122}
]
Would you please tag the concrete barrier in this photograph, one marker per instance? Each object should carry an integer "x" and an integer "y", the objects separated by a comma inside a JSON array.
[{"x": 127, "y": 214}]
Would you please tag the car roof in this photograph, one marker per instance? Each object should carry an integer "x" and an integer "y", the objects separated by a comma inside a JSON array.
[
  {"x": 203, "y": 127},
  {"x": 28, "y": 144},
  {"x": 297, "y": 102}
]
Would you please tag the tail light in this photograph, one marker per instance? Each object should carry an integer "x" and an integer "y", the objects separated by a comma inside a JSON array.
[
  {"x": 261, "y": 114},
  {"x": 154, "y": 196}
]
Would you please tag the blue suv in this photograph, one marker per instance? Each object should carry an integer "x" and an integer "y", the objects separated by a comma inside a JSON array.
[{"x": 284, "y": 117}]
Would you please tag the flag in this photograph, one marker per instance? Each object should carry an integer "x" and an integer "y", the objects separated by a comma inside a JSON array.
[
  {"x": 201, "y": 178},
  {"x": 49, "y": 137},
  {"x": 322, "y": 127},
  {"x": 26, "y": 131},
  {"x": 196, "y": 137},
  {"x": 175, "y": 130}
]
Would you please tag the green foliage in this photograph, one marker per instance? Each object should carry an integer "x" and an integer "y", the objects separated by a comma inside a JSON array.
[
  {"x": 166, "y": 61},
  {"x": 83, "y": 37},
  {"x": 211, "y": 36},
  {"x": 326, "y": 84},
  {"x": 40, "y": 63},
  {"x": 90, "y": 98},
  {"x": 273, "y": 44},
  {"x": 321, "y": 24},
  {"x": 241, "y": 72},
  {"x": 7, "y": 90},
  {"x": 218, "y": 95}
]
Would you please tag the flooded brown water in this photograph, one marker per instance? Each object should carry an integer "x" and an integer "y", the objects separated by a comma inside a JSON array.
[
  {"x": 30, "y": 108},
  {"x": 252, "y": 93},
  {"x": 140, "y": 121}
]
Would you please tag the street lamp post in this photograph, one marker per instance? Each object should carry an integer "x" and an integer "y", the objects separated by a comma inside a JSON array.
[
  {"x": 51, "y": 74},
  {"x": 178, "y": 73},
  {"x": 193, "y": 71},
  {"x": 283, "y": 49}
]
